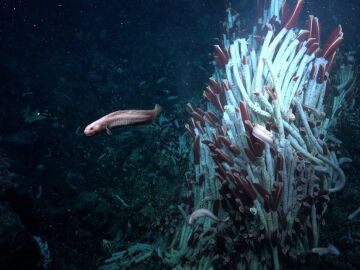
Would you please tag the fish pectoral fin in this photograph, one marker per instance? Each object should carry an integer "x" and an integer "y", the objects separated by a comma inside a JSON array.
[{"x": 108, "y": 131}]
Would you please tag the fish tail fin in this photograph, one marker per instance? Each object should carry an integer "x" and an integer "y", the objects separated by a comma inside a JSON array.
[
  {"x": 333, "y": 250},
  {"x": 158, "y": 109}
]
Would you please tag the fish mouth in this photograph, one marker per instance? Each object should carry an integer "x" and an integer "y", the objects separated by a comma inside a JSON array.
[{"x": 89, "y": 133}]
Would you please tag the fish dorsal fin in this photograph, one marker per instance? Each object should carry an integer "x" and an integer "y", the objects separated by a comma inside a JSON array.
[{"x": 116, "y": 113}]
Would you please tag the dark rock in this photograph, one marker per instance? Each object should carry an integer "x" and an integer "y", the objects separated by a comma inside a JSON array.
[{"x": 18, "y": 250}]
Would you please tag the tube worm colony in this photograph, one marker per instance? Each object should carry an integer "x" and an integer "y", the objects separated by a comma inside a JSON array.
[{"x": 263, "y": 152}]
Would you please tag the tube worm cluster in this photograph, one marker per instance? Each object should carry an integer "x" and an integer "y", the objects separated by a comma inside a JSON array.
[{"x": 263, "y": 151}]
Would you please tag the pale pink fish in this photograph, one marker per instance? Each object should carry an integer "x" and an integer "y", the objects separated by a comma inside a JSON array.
[
  {"x": 122, "y": 118},
  {"x": 202, "y": 212},
  {"x": 262, "y": 134},
  {"x": 330, "y": 250}
]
